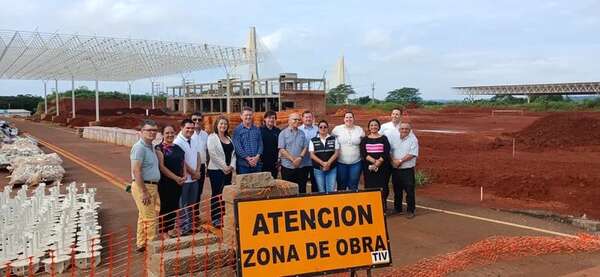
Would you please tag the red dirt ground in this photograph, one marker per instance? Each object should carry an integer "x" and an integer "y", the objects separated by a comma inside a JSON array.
[{"x": 555, "y": 167}]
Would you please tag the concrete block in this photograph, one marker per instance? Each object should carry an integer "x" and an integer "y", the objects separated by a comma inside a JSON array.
[
  {"x": 589, "y": 225},
  {"x": 22, "y": 267},
  {"x": 280, "y": 188},
  {"x": 172, "y": 244},
  {"x": 254, "y": 180},
  {"x": 197, "y": 259},
  {"x": 84, "y": 261},
  {"x": 56, "y": 265}
]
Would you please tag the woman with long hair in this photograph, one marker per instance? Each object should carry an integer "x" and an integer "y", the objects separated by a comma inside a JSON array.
[
  {"x": 348, "y": 164},
  {"x": 220, "y": 166},
  {"x": 375, "y": 153},
  {"x": 170, "y": 162}
]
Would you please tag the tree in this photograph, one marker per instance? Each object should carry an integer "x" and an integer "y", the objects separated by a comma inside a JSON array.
[
  {"x": 404, "y": 96},
  {"x": 363, "y": 100},
  {"x": 546, "y": 98},
  {"x": 339, "y": 94},
  {"x": 507, "y": 99}
]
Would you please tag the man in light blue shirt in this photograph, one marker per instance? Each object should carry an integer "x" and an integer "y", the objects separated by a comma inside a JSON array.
[
  {"x": 310, "y": 131},
  {"x": 292, "y": 148}
]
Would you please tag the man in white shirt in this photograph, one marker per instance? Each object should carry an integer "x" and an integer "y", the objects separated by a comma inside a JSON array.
[
  {"x": 310, "y": 131},
  {"x": 404, "y": 152},
  {"x": 189, "y": 192},
  {"x": 199, "y": 138},
  {"x": 391, "y": 128}
]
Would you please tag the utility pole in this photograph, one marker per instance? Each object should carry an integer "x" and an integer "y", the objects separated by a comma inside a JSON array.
[{"x": 373, "y": 92}]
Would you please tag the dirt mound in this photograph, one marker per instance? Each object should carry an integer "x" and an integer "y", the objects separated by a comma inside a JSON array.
[
  {"x": 561, "y": 130},
  {"x": 121, "y": 111},
  {"x": 79, "y": 122},
  {"x": 125, "y": 122}
]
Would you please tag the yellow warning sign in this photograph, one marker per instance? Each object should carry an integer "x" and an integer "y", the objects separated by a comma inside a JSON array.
[{"x": 312, "y": 233}]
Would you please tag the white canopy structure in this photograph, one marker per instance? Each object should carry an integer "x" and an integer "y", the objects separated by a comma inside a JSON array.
[{"x": 28, "y": 55}]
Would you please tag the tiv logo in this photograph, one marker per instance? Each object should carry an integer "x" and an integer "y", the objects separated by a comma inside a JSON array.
[{"x": 379, "y": 257}]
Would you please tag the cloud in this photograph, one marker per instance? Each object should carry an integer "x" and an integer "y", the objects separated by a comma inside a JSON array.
[
  {"x": 272, "y": 40},
  {"x": 377, "y": 39},
  {"x": 404, "y": 54}
]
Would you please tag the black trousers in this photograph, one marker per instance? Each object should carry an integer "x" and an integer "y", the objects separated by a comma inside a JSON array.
[
  {"x": 169, "y": 193},
  {"x": 270, "y": 167},
  {"x": 295, "y": 175},
  {"x": 403, "y": 180},
  {"x": 218, "y": 181},
  {"x": 379, "y": 179},
  {"x": 311, "y": 176}
]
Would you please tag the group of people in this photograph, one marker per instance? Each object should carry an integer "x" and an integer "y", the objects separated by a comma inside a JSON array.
[{"x": 172, "y": 173}]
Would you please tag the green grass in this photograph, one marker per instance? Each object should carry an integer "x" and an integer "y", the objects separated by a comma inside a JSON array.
[{"x": 421, "y": 178}]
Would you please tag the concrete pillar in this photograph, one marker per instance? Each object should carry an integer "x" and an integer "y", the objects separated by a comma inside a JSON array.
[
  {"x": 279, "y": 103},
  {"x": 254, "y": 104},
  {"x": 220, "y": 105},
  {"x": 228, "y": 94},
  {"x": 73, "y": 96},
  {"x": 129, "y": 92},
  {"x": 528, "y": 98},
  {"x": 153, "y": 95},
  {"x": 57, "y": 100},
  {"x": 45, "y": 98},
  {"x": 211, "y": 105},
  {"x": 184, "y": 99},
  {"x": 97, "y": 103}
]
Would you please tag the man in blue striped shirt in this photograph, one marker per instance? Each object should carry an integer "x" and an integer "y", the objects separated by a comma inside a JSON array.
[{"x": 248, "y": 144}]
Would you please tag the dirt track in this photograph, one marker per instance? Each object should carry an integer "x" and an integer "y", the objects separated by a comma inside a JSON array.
[{"x": 429, "y": 234}]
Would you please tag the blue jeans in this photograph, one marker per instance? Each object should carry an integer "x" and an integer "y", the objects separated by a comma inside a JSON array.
[
  {"x": 348, "y": 175},
  {"x": 189, "y": 194},
  {"x": 325, "y": 179},
  {"x": 241, "y": 169}
]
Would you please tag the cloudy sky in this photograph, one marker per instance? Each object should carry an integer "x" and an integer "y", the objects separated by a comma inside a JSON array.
[{"x": 427, "y": 44}]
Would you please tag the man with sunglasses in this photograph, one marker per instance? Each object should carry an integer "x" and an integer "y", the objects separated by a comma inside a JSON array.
[
  {"x": 144, "y": 187},
  {"x": 200, "y": 138}
]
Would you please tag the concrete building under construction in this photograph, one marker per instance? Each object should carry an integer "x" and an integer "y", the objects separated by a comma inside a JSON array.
[{"x": 287, "y": 91}]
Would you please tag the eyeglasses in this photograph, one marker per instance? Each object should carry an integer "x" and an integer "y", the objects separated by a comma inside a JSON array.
[
  {"x": 295, "y": 119},
  {"x": 322, "y": 127},
  {"x": 196, "y": 119}
]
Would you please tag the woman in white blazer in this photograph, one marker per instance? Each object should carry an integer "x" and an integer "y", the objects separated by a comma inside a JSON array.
[{"x": 220, "y": 166}]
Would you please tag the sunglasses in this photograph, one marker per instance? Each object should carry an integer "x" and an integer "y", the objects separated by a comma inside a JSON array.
[
  {"x": 323, "y": 127},
  {"x": 196, "y": 119}
]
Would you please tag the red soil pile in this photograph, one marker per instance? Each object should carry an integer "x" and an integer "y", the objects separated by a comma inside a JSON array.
[
  {"x": 562, "y": 130},
  {"x": 79, "y": 122},
  {"x": 125, "y": 122}
]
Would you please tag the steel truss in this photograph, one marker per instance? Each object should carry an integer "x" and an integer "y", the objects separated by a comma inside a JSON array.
[
  {"x": 53, "y": 56},
  {"x": 584, "y": 88}
]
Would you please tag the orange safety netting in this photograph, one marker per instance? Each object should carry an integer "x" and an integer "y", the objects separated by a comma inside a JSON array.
[{"x": 496, "y": 249}]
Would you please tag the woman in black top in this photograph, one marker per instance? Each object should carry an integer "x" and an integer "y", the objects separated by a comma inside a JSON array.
[
  {"x": 220, "y": 166},
  {"x": 375, "y": 152},
  {"x": 171, "y": 159}
]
